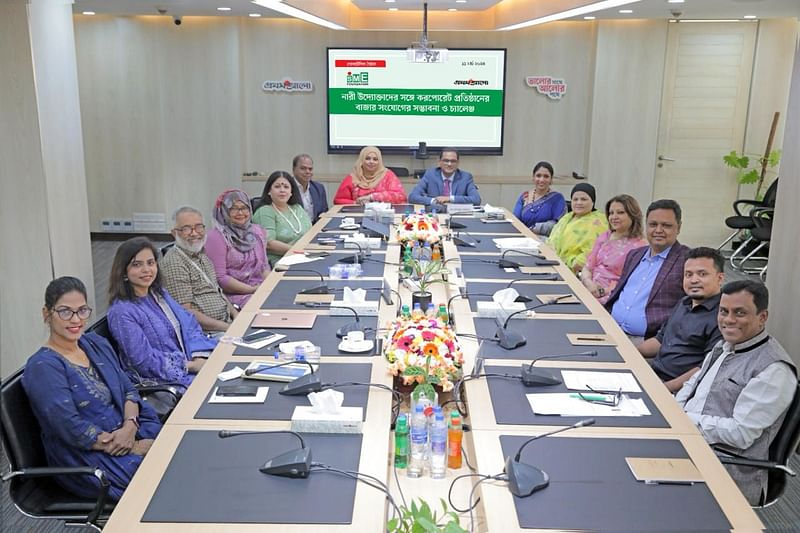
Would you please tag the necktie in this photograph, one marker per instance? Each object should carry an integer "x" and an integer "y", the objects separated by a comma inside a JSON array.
[{"x": 447, "y": 187}]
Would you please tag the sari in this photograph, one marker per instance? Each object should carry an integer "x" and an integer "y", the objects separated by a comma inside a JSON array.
[{"x": 540, "y": 215}]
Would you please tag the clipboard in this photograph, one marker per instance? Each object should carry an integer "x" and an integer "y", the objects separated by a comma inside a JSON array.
[
  {"x": 537, "y": 270},
  {"x": 665, "y": 471},
  {"x": 590, "y": 339},
  {"x": 316, "y": 298}
]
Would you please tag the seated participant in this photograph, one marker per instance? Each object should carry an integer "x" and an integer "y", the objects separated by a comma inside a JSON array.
[
  {"x": 237, "y": 247},
  {"x": 691, "y": 330},
  {"x": 604, "y": 262},
  {"x": 445, "y": 184},
  {"x": 312, "y": 193},
  {"x": 574, "y": 234},
  {"x": 158, "y": 339},
  {"x": 739, "y": 397},
  {"x": 651, "y": 282},
  {"x": 189, "y": 276},
  {"x": 370, "y": 181},
  {"x": 540, "y": 208},
  {"x": 89, "y": 412},
  {"x": 281, "y": 214}
]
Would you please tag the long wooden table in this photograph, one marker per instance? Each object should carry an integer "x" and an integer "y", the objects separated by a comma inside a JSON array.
[{"x": 496, "y": 511}]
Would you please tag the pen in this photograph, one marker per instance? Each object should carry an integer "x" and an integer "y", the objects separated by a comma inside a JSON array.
[
  {"x": 590, "y": 397},
  {"x": 599, "y": 339},
  {"x": 654, "y": 482}
]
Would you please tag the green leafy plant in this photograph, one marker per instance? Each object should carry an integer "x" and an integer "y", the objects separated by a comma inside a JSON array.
[
  {"x": 422, "y": 519},
  {"x": 752, "y": 168},
  {"x": 427, "y": 273}
]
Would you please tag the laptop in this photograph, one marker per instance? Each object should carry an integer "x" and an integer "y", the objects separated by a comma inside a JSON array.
[{"x": 281, "y": 319}]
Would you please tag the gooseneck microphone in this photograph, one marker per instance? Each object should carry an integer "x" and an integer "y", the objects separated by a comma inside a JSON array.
[
  {"x": 294, "y": 463},
  {"x": 465, "y": 240},
  {"x": 354, "y": 259},
  {"x": 461, "y": 295},
  {"x": 508, "y": 263},
  {"x": 524, "y": 479},
  {"x": 256, "y": 370},
  {"x": 347, "y": 328},
  {"x": 537, "y": 377},
  {"x": 509, "y": 339},
  {"x": 322, "y": 288}
]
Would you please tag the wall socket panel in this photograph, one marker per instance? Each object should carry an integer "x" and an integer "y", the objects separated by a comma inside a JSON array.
[{"x": 116, "y": 225}]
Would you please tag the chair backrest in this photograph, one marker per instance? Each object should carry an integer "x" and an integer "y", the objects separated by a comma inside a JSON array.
[
  {"x": 400, "y": 172},
  {"x": 785, "y": 443},
  {"x": 21, "y": 432},
  {"x": 101, "y": 328},
  {"x": 771, "y": 195}
]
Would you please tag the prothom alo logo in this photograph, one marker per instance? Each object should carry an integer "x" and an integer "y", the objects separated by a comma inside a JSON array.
[
  {"x": 358, "y": 78},
  {"x": 471, "y": 82}
]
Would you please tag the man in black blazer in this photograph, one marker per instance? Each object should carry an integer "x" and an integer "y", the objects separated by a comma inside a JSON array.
[{"x": 312, "y": 193}]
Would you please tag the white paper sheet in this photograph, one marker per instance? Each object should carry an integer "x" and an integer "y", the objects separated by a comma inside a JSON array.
[
  {"x": 517, "y": 243},
  {"x": 296, "y": 259},
  {"x": 602, "y": 381},
  {"x": 564, "y": 404}
]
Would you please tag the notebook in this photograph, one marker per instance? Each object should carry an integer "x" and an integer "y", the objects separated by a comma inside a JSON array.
[{"x": 280, "y": 319}]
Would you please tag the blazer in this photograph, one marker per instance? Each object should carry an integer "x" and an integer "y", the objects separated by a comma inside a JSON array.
[
  {"x": 319, "y": 197},
  {"x": 463, "y": 188},
  {"x": 667, "y": 288}
]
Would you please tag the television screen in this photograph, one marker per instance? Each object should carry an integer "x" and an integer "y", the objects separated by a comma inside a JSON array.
[{"x": 395, "y": 99}]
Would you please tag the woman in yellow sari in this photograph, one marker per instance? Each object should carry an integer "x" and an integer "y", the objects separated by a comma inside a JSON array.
[{"x": 574, "y": 234}]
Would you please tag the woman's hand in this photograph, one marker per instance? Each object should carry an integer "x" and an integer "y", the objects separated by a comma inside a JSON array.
[
  {"x": 586, "y": 279},
  {"x": 193, "y": 366},
  {"x": 121, "y": 441},
  {"x": 362, "y": 200},
  {"x": 141, "y": 447}
]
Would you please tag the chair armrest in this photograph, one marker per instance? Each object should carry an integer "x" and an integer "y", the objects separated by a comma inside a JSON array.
[
  {"x": 763, "y": 465},
  {"x": 48, "y": 471},
  {"x": 169, "y": 388},
  {"x": 751, "y": 203}
]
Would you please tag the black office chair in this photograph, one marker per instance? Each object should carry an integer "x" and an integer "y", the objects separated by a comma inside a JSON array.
[
  {"x": 785, "y": 444},
  {"x": 32, "y": 488},
  {"x": 760, "y": 237},
  {"x": 163, "y": 396},
  {"x": 164, "y": 249},
  {"x": 742, "y": 221},
  {"x": 400, "y": 172}
]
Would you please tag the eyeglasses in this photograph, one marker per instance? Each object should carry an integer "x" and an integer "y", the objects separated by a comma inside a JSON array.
[
  {"x": 449, "y": 161},
  {"x": 599, "y": 397},
  {"x": 66, "y": 314},
  {"x": 187, "y": 230},
  {"x": 243, "y": 209}
]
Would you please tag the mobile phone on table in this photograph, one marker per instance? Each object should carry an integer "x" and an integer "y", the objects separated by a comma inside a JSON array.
[
  {"x": 257, "y": 335},
  {"x": 237, "y": 390}
]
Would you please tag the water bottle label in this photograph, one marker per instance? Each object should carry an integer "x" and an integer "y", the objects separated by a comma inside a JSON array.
[{"x": 438, "y": 447}]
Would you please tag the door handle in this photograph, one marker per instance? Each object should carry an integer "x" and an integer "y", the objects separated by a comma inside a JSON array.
[{"x": 665, "y": 158}]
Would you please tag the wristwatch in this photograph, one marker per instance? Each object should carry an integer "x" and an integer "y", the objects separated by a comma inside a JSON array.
[{"x": 134, "y": 419}]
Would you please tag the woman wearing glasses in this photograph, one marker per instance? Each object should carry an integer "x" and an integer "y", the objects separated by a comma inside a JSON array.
[
  {"x": 370, "y": 181},
  {"x": 237, "y": 247},
  {"x": 159, "y": 340},
  {"x": 281, "y": 214},
  {"x": 89, "y": 412}
]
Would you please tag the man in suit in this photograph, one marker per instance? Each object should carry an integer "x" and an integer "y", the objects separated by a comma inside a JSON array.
[
  {"x": 312, "y": 193},
  {"x": 651, "y": 283},
  {"x": 445, "y": 184}
]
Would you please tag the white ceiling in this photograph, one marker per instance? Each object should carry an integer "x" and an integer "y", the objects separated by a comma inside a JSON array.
[{"x": 701, "y": 9}]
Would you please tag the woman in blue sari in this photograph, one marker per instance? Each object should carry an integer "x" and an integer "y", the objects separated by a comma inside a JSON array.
[
  {"x": 89, "y": 412},
  {"x": 540, "y": 208}
]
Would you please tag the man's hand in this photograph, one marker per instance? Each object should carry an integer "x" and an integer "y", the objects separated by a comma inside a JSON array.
[
  {"x": 442, "y": 199},
  {"x": 193, "y": 366}
]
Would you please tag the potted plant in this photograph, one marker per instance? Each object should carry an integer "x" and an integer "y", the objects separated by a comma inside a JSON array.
[
  {"x": 421, "y": 518},
  {"x": 424, "y": 274},
  {"x": 752, "y": 168}
]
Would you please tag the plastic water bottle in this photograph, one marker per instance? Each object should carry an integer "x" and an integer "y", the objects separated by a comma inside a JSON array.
[
  {"x": 438, "y": 446},
  {"x": 455, "y": 434},
  {"x": 417, "y": 312},
  {"x": 401, "y": 442},
  {"x": 416, "y": 251},
  {"x": 427, "y": 253},
  {"x": 431, "y": 312},
  {"x": 419, "y": 443}
]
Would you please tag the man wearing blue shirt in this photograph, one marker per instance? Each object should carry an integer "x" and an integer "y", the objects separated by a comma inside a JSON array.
[
  {"x": 445, "y": 184},
  {"x": 651, "y": 283}
]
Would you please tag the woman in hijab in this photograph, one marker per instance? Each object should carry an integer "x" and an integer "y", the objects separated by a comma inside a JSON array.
[
  {"x": 574, "y": 234},
  {"x": 370, "y": 181},
  {"x": 237, "y": 248}
]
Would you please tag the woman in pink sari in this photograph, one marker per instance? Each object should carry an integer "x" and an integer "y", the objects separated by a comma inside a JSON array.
[{"x": 604, "y": 263}]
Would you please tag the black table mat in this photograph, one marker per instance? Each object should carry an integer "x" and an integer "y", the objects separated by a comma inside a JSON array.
[
  {"x": 511, "y": 406},
  {"x": 486, "y": 267},
  {"x": 474, "y": 225},
  {"x": 323, "y": 334},
  {"x": 213, "y": 480},
  {"x": 545, "y": 337},
  {"x": 531, "y": 290},
  {"x": 592, "y": 488},
  {"x": 285, "y": 291},
  {"x": 369, "y": 268},
  {"x": 485, "y": 243},
  {"x": 340, "y": 243},
  {"x": 280, "y": 407}
]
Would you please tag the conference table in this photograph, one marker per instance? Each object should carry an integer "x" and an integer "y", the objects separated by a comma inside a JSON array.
[{"x": 192, "y": 480}]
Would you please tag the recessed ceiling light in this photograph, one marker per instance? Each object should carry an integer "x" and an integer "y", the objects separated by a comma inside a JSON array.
[
  {"x": 389, "y": 1},
  {"x": 223, "y": 9},
  {"x": 392, "y": 9},
  {"x": 452, "y": 9},
  {"x": 750, "y": 16},
  {"x": 89, "y": 13},
  {"x": 461, "y": 1},
  {"x": 254, "y": 15},
  {"x": 588, "y": 18},
  {"x": 675, "y": 1},
  {"x": 626, "y": 11}
]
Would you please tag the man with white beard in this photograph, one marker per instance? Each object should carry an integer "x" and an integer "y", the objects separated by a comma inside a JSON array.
[{"x": 188, "y": 275}]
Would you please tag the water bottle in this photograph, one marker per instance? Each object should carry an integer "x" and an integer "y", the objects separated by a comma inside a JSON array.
[
  {"x": 417, "y": 312},
  {"x": 426, "y": 254},
  {"x": 431, "y": 312},
  {"x": 416, "y": 251},
  {"x": 438, "y": 459},
  {"x": 419, "y": 443},
  {"x": 401, "y": 442},
  {"x": 455, "y": 435}
]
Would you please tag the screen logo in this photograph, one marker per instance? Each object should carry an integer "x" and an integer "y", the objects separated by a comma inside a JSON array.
[
  {"x": 287, "y": 85},
  {"x": 358, "y": 79},
  {"x": 471, "y": 82}
]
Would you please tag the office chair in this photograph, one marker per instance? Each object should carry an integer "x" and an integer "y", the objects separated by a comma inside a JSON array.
[
  {"x": 400, "y": 172},
  {"x": 784, "y": 445},
  {"x": 32, "y": 488},
  {"x": 164, "y": 249},
  {"x": 163, "y": 397},
  {"x": 742, "y": 221},
  {"x": 760, "y": 236}
]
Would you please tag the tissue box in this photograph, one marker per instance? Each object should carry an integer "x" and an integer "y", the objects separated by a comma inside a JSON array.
[
  {"x": 493, "y": 309},
  {"x": 369, "y": 308},
  {"x": 366, "y": 243},
  {"x": 347, "y": 420}
]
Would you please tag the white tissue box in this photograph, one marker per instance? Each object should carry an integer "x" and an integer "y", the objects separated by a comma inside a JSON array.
[
  {"x": 368, "y": 308},
  {"x": 347, "y": 420},
  {"x": 493, "y": 309},
  {"x": 366, "y": 243},
  {"x": 457, "y": 209}
]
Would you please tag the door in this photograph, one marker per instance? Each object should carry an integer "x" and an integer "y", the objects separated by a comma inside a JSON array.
[{"x": 703, "y": 114}]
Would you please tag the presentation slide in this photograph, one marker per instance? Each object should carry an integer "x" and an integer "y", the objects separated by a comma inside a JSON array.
[{"x": 385, "y": 98}]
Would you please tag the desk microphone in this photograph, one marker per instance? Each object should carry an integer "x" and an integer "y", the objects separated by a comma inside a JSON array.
[
  {"x": 322, "y": 288},
  {"x": 537, "y": 377},
  {"x": 524, "y": 479},
  {"x": 543, "y": 276},
  {"x": 354, "y": 259},
  {"x": 508, "y": 263},
  {"x": 455, "y": 225},
  {"x": 257, "y": 369},
  {"x": 294, "y": 463},
  {"x": 347, "y": 328},
  {"x": 467, "y": 240},
  {"x": 462, "y": 295},
  {"x": 509, "y": 339}
]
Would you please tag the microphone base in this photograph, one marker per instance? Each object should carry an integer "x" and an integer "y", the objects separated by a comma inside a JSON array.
[
  {"x": 465, "y": 241},
  {"x": 509, "y": 339},
  {"x": 322, "y": 289},
  {"x": 294, "y": 464},
  {"x": 522, "y": 299},
  {"x": 538, "y": 377},
  {"x": 347, "y": 328},
  {"x": 524, "y": 480},
  {"x": 351, "y": 260},
  {"x": 302, "y": 386},
  {"x": 507, "y": 263}
]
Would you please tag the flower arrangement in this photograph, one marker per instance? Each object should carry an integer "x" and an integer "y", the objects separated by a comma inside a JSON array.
[
  {"x": 420, "y": 227},
  {"x": 424, "y": 350}
]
